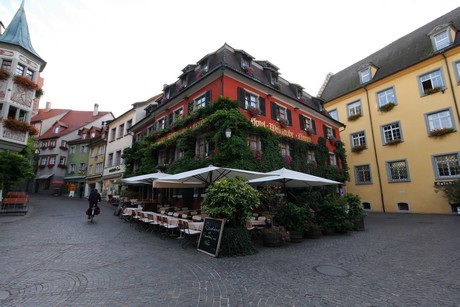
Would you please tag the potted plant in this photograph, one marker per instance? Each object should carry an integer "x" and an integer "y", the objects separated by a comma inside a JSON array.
[
  {"x": 275, "y": 236},
  {"x": 356, "y": 213},
  {"x": 294, "y": 219},
  {"x": 233, "y": 200},
  {"x": 441, "y": 132},
  {"x": 283, "y": 122},
  {"x": 358, "y": 148},
  {"x": 331, "y": 215},
  {"x": 393, "y": 142},
  {"x": 354, "y": 117},
  {"x": 25, "y": 82},
  {"x": 434, "y": 90},
  {"x": 4, "y": 74},
  {"x": 387, "y": 107},
  {"x": 253, "y": 111}
]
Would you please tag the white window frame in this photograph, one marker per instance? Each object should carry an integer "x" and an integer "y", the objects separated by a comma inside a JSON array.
[
  {"x": 334, "y": 114},
  {"x": 431, "y": 80},
  {"x": 82, "y": 167},
  {"x": 391, "y": 132},
  {"x": 442, "y": 39},
  {"x": 365, "y": 75},
  {"x": 110, "y": 159},
  {"x": 440, "y": 119},
  {"x": 311, "y": 156},
  {"x": 358, "y": 139},
  {"x": 202, "y": 147},
  {"x": 281, "y": 112},
  {"x": 363, "y": 172},
  {"x": 254, "y": 143},
  {"x": 72, "y": 168},
  {"x": 199, "y": 102},
  {"x": 450, "y": 163},
  {"x": 178, "y": 114},
  {"x": 285, "y": 150},
  {"x": 62, "y": 160},
  {"x": 113, "y": 134},
  {"x": 332, "y": 159},
  {"x": 251, "y": 100},
  {"x": 354, "y": 108},
  {"x": 457, "y": 71},
  {"x": 386, "y": 96}
]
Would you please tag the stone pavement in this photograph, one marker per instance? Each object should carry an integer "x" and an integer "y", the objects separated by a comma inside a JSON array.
[{"x": 54, "y": 257}]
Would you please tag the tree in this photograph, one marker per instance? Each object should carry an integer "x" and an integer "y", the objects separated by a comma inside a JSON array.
[{"x": 14, "y": 168}]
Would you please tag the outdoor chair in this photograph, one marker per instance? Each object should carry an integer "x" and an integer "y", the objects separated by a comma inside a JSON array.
[{"x": 191, "y": 235}]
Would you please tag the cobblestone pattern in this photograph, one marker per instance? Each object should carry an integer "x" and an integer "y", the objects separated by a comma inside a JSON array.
[{"x": 54, "y": 257}]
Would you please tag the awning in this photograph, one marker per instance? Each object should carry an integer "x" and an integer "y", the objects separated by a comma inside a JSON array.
[{"x": 44, "y": 177}]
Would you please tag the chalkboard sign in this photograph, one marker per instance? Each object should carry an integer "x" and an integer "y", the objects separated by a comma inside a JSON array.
[{"x": 210, "y": 237}]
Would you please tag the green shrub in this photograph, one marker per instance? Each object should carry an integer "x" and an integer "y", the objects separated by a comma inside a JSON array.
[
  {"x": 292, "y": 217},
  {"x": 331, "y": 214},
  {"x": 236, "y": 241}
]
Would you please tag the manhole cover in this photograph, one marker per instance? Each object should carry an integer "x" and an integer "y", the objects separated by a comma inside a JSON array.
[
  {"x": 330, "y": 270},
  {"x": 4, "y": 294}
]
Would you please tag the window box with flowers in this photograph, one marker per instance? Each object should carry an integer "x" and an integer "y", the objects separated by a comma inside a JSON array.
[
  {"x": 441, "y": 132},
  {"x": 283, "y": 122},
  {"x": 358, "y": 148},
  {"x": 309, "y": 131},
  {"x": 393, "y": 142},
  {"x": 253, "y": 111},
  {"x": 434, "y": 90},
  {"x": 50, "y": 165},
  {"x": 387, "y": 107},
  {"x": 25, "y": 82},
  {"x": 4, "y": 74},
  {"x": 62, "y": 166},
  {"x": 258, "y": 156},
  {"x": 15, "y": 124},
  {"x": 287, "y": 160},
  {"x": 42, "y": 166},
  {"x": 354, "y": 117},
  {"x": 39, "y": 93},
  {"x": 63, "y": 147},
  {"x": 332, "y": 140},
  {"x": 248, "y": 71},
  {"x": 277, "y": 85}
]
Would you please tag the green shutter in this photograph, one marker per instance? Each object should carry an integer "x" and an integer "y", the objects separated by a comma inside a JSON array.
[
  {"x": 313, "y": 126},
  {"x": 273, "y": 109},
  {"x": 302, "y": 122},
  {"x": 207, "y": 98},
  {"x": 190, "y": 107},
  {"x": 262, "y": 106},
  {"x": 241, "y": 96},
  {"x": 289, "y": 117}
]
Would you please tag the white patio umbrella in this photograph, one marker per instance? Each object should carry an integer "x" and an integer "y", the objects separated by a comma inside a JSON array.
[
  {"x": 206, "y": 175},
  {"x": 143, "y": 179},
  {"x": 291, "y": 179}
]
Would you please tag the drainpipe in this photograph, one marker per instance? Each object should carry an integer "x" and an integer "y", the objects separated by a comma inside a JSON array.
[
  {"x": 451, "y": 86},
  {"x": 375, "y": 152}
]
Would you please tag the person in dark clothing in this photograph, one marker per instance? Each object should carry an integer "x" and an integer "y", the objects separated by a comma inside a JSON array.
[{"x": 94, "y": 198}]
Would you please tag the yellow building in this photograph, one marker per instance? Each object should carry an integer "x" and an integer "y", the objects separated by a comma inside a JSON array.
[{"x": 400, "y": 106}]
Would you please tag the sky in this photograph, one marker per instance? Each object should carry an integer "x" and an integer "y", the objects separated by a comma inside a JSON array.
[{"x": 117, "y": 52}]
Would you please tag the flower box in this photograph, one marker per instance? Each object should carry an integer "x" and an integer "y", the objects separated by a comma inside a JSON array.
[
  {"x": 253, "y": 111},
  {"x": 39, "y": 93},
  {"x": 248, "y": 71},
  {"x": 309, "y": 131},
  {"x": 50, "y": 165},
  {"x": 63, "y": 147},
  {"x": 332, "y": 140},
  {"x": 62, "y": 166},
  {"x": 434, "y": 90},
  {"x": 14, "y": 124},
  {"x": 4, "y": 74},
  {"x": 441, "y": 132},
  {"x": 387, "y": 107},
  {"x": 393, "y": 142},
  {"x": 283, "y": 122},
  {"x": 25, "y": 82},
  {"x": 358, "y": 148},
  {"x": 354, "y": 117}
]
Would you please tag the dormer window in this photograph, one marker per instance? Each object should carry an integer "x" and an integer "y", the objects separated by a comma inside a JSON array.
[
  {"x": 274, "y": 78},
  {"x": 365, "y": 75},
  {"x": 56, "y": 130},
  {"x": 442, "y": 36},
  {"x": 245, "y": 63},
  {"x": 299, "y": 93}
]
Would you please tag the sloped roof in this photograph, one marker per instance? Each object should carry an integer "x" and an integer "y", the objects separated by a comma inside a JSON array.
[
  {"x": 17, "y": 33},
  {"x": 74, "y": 121},
  {"x": 399, "y": 55},
  {"x": 43, "y": 115}
]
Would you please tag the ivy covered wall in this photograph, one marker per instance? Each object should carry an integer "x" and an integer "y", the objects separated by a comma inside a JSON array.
[{"x": 211, "y": 122}]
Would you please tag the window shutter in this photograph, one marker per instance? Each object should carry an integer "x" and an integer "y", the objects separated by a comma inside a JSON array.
[
  {"x": 190, "y": 107},
  {"x": 325, "y": 131},
  {"x": 333, "y": 132},
  {"x": 302, "y": 122},
  {"x": 241, "y": 94},
  {"x": 273, "y": 109},
  {"x": 289, "y": 117},
  {"x": 170, "y": 119},
  {"x": 207, "y": 98},
  {"x": 313, "y": 126},
  {"x": 262, "y": 106}
]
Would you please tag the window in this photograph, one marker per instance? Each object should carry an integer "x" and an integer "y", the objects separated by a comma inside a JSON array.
[
  {"x": 403, "y": 207},
  {"x": 385, "y": 97},
  {"x": 162, "y": 157},
  {"x": 391, "y": 133},
  {"x": 202, "y": 147},
  {"x": 199, "y": 102},
  {"x": 457, "y": 72},
  {"x": 83, "y": 148},
  {"x": 82, "y": 167},
  {"x": 254, "y": 143},
  {"x": 110, "y": 160},
  {"x": 284, "y": 150},
  {"x": 446, "y": 166},
  {"x": 99, "y": 167},
  {"x": 332, "y": 159},
  {"x": 73, "y": 149},
  {"x": 6, "y": 65},
  {"x": 358, "y": 139},
  {"x": 56, "y": 130},
  {"x": 441, "y": 40},
  {"x": 72, "y": 168},
  {"x": 20, "y": 70},
  {"x": 307, "y": 124},
  {"x": 101, "y": 150},
  {"x": 439, "y": 120},
  {"x": 250, "y": 101},
  {"x": 310, "y": 156},
  {"x": 63, "y": 144},
  {"x": 431, "y": 81},
  {"x": 29, "y": 74},
  {"x": 178, "y": 114},
  {"x": 117, "y": 160},
  {"x": 62, "y": 160},
  {"x": 113, "y": 134},
  {"x": 245, "y": 62},
  {"x": 52, "y": 160},
  {"x": 328, "y": 132},
  {"x": 334, "y": 114},
  {"x": 160, "y": 124},
  {"x": 44, "y": 161},
  {"x": 354, "y": 108},
  {"x": 121, "y": 130},
  {"x": 363, "y": 174},
  {"x": 90, "y": 169},
  {"x": 366, "y": 206},
  {"x": 365, "y": 75},
  {"x": 52, "y": 143},
  {"x": 93, "y": 134},
  {"x": 129, "y": 124},
  {"x": 178, "y": 154},
  {"x": 397, "y": 171}
]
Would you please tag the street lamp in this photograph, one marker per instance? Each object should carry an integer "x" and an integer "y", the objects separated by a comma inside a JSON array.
[{"x": 228, "y": 133}]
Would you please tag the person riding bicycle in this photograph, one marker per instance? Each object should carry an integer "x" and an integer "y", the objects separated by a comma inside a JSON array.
[{"x": 93, "y": 199}]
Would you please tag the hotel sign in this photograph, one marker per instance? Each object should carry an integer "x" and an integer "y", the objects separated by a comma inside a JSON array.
[{"x": 276, "y": 129}]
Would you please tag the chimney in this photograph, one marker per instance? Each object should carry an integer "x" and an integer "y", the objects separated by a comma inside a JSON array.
[
  {"x": 48, "y": 106},
  {"x": 96, "y": 109}
]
